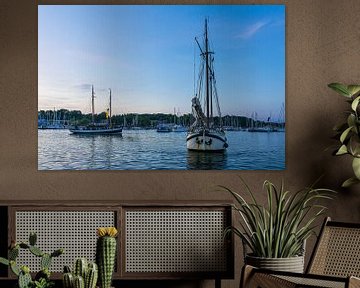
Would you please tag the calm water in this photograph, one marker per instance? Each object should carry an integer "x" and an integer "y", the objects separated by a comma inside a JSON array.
[{"x": 148, "y": 149}]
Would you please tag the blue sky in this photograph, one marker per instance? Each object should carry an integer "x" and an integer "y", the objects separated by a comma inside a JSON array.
[{"x": 145, "y": 54}]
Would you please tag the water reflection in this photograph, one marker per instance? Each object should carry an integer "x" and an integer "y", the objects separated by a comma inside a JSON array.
[
  {"x": 100, "y": 149},
  {"x": 206, "y": 160},
  {"x": 150, "y": 150}
]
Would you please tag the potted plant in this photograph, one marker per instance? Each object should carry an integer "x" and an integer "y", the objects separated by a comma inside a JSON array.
[
  {"x": 349, "y": 131},
  {"x": 276, "y": 233},
  {"x": 42, "y": 278}
]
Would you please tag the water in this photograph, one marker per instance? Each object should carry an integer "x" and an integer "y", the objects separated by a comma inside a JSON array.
[{"x": 150, "y": 150}]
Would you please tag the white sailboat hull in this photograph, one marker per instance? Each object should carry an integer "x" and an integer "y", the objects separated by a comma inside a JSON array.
[{"x": 204, "y": 140}]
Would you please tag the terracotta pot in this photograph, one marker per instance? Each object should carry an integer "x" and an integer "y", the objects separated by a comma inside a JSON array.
[{"x": 291, "y": 264}]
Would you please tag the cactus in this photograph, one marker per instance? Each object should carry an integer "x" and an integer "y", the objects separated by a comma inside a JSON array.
[
  {"x": 36, "y": 251},
  {"x": 79, "y": 282},
  {"x": 57, "y": 253},
  {"x": 42, "y": 278},
  {"x": 24, "y": 280},
  {"x": 67, "y": 269},
  {"x": 87, "y": 272},
  {"x": 68, "y": 280},
  {"x": 80, "y": 267},
  {"x": 105, "y": 254},
  {"x": 14, "y": 268},
  {"x": 13, "y": 253},
  {"x": 44, "y": 273},
  {"x": 45, "y": 261},
  {"x": 4, "y": 261},
  {"x": 91, "y": 276},
  {"x": 32, "y": 238}
]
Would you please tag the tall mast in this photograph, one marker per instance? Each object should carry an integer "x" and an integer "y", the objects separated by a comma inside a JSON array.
[
  {"x": 207, "y": 73},
  {"x": 110, "y": 108},
  {"x": 92, "y": 105}
]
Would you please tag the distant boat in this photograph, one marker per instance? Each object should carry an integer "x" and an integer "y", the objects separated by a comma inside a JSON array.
[
  {"x": 269, "y": 127},
  {"x": 261, "y": 129},
  {"x": 164, "y": 128},
  {"x": 97, "y": 128},
  {"x": 179, "y": 128},
  {"x": 204, "y": 133}
]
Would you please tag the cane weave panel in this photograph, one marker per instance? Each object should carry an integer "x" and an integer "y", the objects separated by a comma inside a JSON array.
[
  {"x": 175, "y": 241},
  {"x": 306, "y": 282},
  {"x": 74, "y": 231},
  {"x": 338, "y": 253}
]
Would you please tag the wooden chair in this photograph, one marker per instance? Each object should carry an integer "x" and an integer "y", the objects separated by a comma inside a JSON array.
[{"x": 334, "y": 263}]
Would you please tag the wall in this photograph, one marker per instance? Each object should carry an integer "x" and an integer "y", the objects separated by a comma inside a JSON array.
[{"x": 322, "y": 46}]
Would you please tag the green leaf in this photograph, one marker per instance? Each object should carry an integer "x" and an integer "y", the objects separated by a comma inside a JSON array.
[
  {"x": 32, "y": 238},
  {"x": 340, "y": 88},
  {"x": 356, "y": 167},
  {"x": 354, "y": 145},
  {"x": 4, "y": 261},
  {"x": 14, "y": 268},
  {"x": 351, "y": 120},
  {"x": 345, "y": 134},
  {"x": 353, "y": 89},
  {"x": 355, "y": 103},
  {"x": 342, "y": 150},
  {"x": 349, "y": 182}
]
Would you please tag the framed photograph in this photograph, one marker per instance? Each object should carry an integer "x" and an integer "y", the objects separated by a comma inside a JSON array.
[{"x": 153, "y": 87}]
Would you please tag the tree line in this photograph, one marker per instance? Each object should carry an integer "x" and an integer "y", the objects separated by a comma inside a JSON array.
[{"x": 146, "y": 120}]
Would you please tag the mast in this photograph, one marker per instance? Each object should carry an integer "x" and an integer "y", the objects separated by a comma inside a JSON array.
[
  {"x": 110, "y": 108},
  {"x": 92, "y": 104},
  {"x": 207, "y": 74}
]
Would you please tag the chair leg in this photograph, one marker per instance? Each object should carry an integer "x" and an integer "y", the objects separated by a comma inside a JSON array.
[
  {"x": 217, "y": 283},
  {"x": 246, "y": 274}
]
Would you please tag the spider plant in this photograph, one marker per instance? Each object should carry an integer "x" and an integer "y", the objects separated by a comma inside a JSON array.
[{"x": 279, "y": 229}]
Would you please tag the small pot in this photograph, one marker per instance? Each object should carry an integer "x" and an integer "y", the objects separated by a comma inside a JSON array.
[{"x": 291, "y": 264}]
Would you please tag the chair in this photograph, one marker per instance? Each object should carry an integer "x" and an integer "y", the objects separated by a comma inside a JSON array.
[{"x": 334, "y": 263}]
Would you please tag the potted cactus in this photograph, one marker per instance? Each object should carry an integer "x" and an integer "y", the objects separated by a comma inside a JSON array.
[
  {"x": 42, "y": 278},
  {"x": 84, "y": 275},
  {"x": 106, "y": 254}
]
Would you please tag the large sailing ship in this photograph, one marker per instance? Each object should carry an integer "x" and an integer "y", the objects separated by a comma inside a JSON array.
[
  {"x": 107, "y": 128},
  {"x": 206, "y": 133}
]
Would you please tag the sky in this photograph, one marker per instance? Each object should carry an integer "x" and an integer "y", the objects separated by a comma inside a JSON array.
[{"x": 146, "y": 55}]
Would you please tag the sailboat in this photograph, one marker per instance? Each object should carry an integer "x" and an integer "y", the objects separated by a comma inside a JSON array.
[
  {"x": 205, "y": 133},
  {"x": 97, "y": 128}
]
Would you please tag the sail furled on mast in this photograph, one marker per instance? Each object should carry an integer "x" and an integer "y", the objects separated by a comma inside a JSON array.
[
  {"x": 206, "y": 90},
  {"x": 205, "y": 133}
]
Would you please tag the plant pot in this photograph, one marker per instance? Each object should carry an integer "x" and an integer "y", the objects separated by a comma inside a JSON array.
[{"x": 291, "y": 264}]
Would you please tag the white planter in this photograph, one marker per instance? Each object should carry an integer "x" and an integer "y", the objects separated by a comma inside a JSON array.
[{"x": 291, "y": 264}]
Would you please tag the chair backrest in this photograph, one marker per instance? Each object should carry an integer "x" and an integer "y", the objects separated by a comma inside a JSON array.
[{"x": 337, "y": 251}]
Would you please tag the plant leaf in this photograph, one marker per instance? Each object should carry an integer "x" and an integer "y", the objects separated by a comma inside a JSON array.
[
  {"x": 353, "y": 89},
  {"x": 351, "y": 120},
  {"x": 356, "y": 167},
  {"x": 349, "y": 182},
  {"x": 342, "y": 150},
  {"x": 340, "y": 88},
  {"x": 345, "y": 134},
  {"x": 355, "y": 103},
  {"x": 4, "y": 261}
]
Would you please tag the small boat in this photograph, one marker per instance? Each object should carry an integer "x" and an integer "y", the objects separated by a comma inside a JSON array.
[
  {"x": 98, "y": 128},
  {"x": 206, "y": 133},
  {"x": 164, "y": 128},
  {"x": 179, "y": 128}
]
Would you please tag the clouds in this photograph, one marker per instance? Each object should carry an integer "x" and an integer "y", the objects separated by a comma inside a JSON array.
[
  {"x": 83, "y": 87},
  {"x": 252, "y": 29}
]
